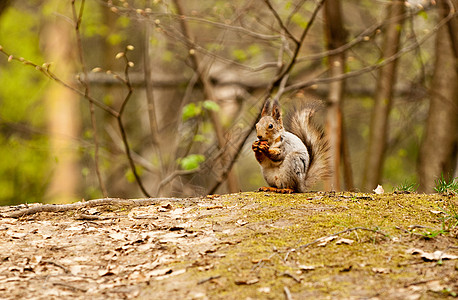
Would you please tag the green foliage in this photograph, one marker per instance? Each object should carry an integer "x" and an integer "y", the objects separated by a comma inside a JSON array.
[
  {"x": 24, "y": 153},
  {"x": 194, "y": 109},
  {"x": 444, "y": 186},
  {"x": 407, "y": 186},
  {"x": 240, "y": 55},
  {"x": 191, "y": 162},
  {"x": 449, "y": 218},
  {"x": 430, "y": 234},
  {"x": 300, "y": 20}
]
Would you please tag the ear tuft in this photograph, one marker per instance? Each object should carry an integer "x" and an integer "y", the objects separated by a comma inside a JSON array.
[
  {"x": 267, "y": 108},
  {"x": 276, "y": 111}
]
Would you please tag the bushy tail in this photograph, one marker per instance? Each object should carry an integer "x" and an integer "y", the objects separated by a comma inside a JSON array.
[{"x": 300, "y": 123}]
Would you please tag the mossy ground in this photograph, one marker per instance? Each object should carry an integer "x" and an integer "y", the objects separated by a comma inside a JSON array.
[
  {"x": 273, "y": 248},
  {"x": 248, "y": 246}
]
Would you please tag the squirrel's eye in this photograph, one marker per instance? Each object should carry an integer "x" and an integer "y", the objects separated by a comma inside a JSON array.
[{"x": 271, "y": 126}]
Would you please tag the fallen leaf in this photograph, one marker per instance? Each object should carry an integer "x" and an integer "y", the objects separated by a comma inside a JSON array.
[
  {"x": 379, "y": 190},
  {"x": 435, "y": 286},
  {"x": 381, "y": 270},
  {"x": 306, "y": 268},
  {"x": 244, "y": 281},
  {"x": 117, "y": 236},
  {"x": 75, "y": 269},
  {"x": 241, "y": 222},
  {"x": 345, "y": 241},
  {"x": 16, "y": 235},
  {"x": 428, "y": 256},
  {"x": 324, "y": 241},
  {"x": 264, "y": 289}
]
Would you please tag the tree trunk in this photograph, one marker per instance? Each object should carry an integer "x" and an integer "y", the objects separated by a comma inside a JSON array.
[
  {"x": 384, "y": 91},
  {"x": 438, "y": 149},
  {"x": 335, "y": 37},
  {"x": 63, "y": 112}
]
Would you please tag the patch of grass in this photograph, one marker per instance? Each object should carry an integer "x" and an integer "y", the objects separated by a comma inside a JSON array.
[
  {"x": 444, "y": 186},
  {"x": 450, "y": 217},
  {"x": 407, "y": 187},
  {"x": 432, "y": 233}
]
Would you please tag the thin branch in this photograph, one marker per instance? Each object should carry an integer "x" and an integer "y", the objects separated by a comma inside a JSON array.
[
  {"x": 208, "y": 90},
  {"x": 46, "y": 72},
  {"x": 126, "y": 80},
  {"x": 150, "y": 96},
  {"x": 299, "y": 45},
  {"x": 341, "y": 232},
  {"x": 85, "y": 204},
  {"x": 77, "y": 20},
  {"x": 280, "y": 22},
  {"x": 373, "y": 67},
  {"x": 280, "y": 80},
  {"x": 173, "y": 175},
  {"x": 363, "y": 36}
]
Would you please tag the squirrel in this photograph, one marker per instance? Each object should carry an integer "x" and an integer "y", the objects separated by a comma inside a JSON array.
[{"x": 291, "y": 161}]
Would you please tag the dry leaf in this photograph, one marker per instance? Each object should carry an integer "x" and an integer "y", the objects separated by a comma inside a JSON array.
[
  {"x": 379, "y": 190},
  {"x": 245, "y": 281},
  {"x": 264, "y": 289},
  {"x": 306, "y": 268},
  {"x": 435, "y": 286},
  {"x": 241, "y": 222},
  {"x": 345, "y": 241},
  {"x": 324, "y": 241},
  {"x": 381, "y": 270},
  {"x": 428, "y": 256}
]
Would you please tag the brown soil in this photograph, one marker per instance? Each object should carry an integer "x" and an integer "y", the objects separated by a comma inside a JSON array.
[{"x": 239, "y": 246}]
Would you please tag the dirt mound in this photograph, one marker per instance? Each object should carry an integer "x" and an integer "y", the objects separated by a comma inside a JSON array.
[{"x": 238, "y": 246}]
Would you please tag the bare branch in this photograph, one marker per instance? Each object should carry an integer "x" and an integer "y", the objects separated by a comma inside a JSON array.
[
  {"x": 77, "y": 20},
  {"x": 373, "y": 67},
  {"x": 280, "y": 22},
  {"x": 84, "y": 204}
]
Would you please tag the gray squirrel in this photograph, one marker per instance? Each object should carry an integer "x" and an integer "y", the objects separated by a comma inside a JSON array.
[{"x": 293, "y": 160}]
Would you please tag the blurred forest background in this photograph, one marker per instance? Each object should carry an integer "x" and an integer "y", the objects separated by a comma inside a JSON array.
[{"x": 132, "y": 98}]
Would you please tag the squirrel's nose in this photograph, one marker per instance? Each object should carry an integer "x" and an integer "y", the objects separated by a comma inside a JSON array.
[{"x": 259, "y": 137}]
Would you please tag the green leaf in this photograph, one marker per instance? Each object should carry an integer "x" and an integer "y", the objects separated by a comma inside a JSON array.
[
  {"x": 210, "y": 105},
  {"x": 423, "y": 14},
  {"x": 190, "y": 111},
  {"x": 240, "y": 55},
  {"x": 192, "y": 161},
  {"x": 199, "y": 138},
  {"x": 299, "y": 19}
]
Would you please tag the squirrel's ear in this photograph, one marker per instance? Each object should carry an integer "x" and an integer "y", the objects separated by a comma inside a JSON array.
[
  {"x": 276, "y": 111},
  {"x": 266, "y": 109}
]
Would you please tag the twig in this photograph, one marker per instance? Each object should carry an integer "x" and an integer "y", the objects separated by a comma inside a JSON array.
[
  {"x": 208, "y": 279},
  {"x": 288, "y": 295},
  {"x": 71, "y": 287},
  {"x": 341, "y": 232},
  {"x": 123, "y": 130},
  {"x": 150, "y": 96},
  {"x": 371, "y": 68},
  {"x": 44, "y": 69},
  {"x": 56, "y": 264},
  {"x": 77, "y": 20},
  {"x": 85, "y": 204},
  {"x": 298, "y": 280},
  {"x": 280, "y": 22},
  {"x": 97, "y": 218},
  {"x": 281, "y": 79},
  {"x": 174, "y": 174},
  {"x": 209, "y": 93}
]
